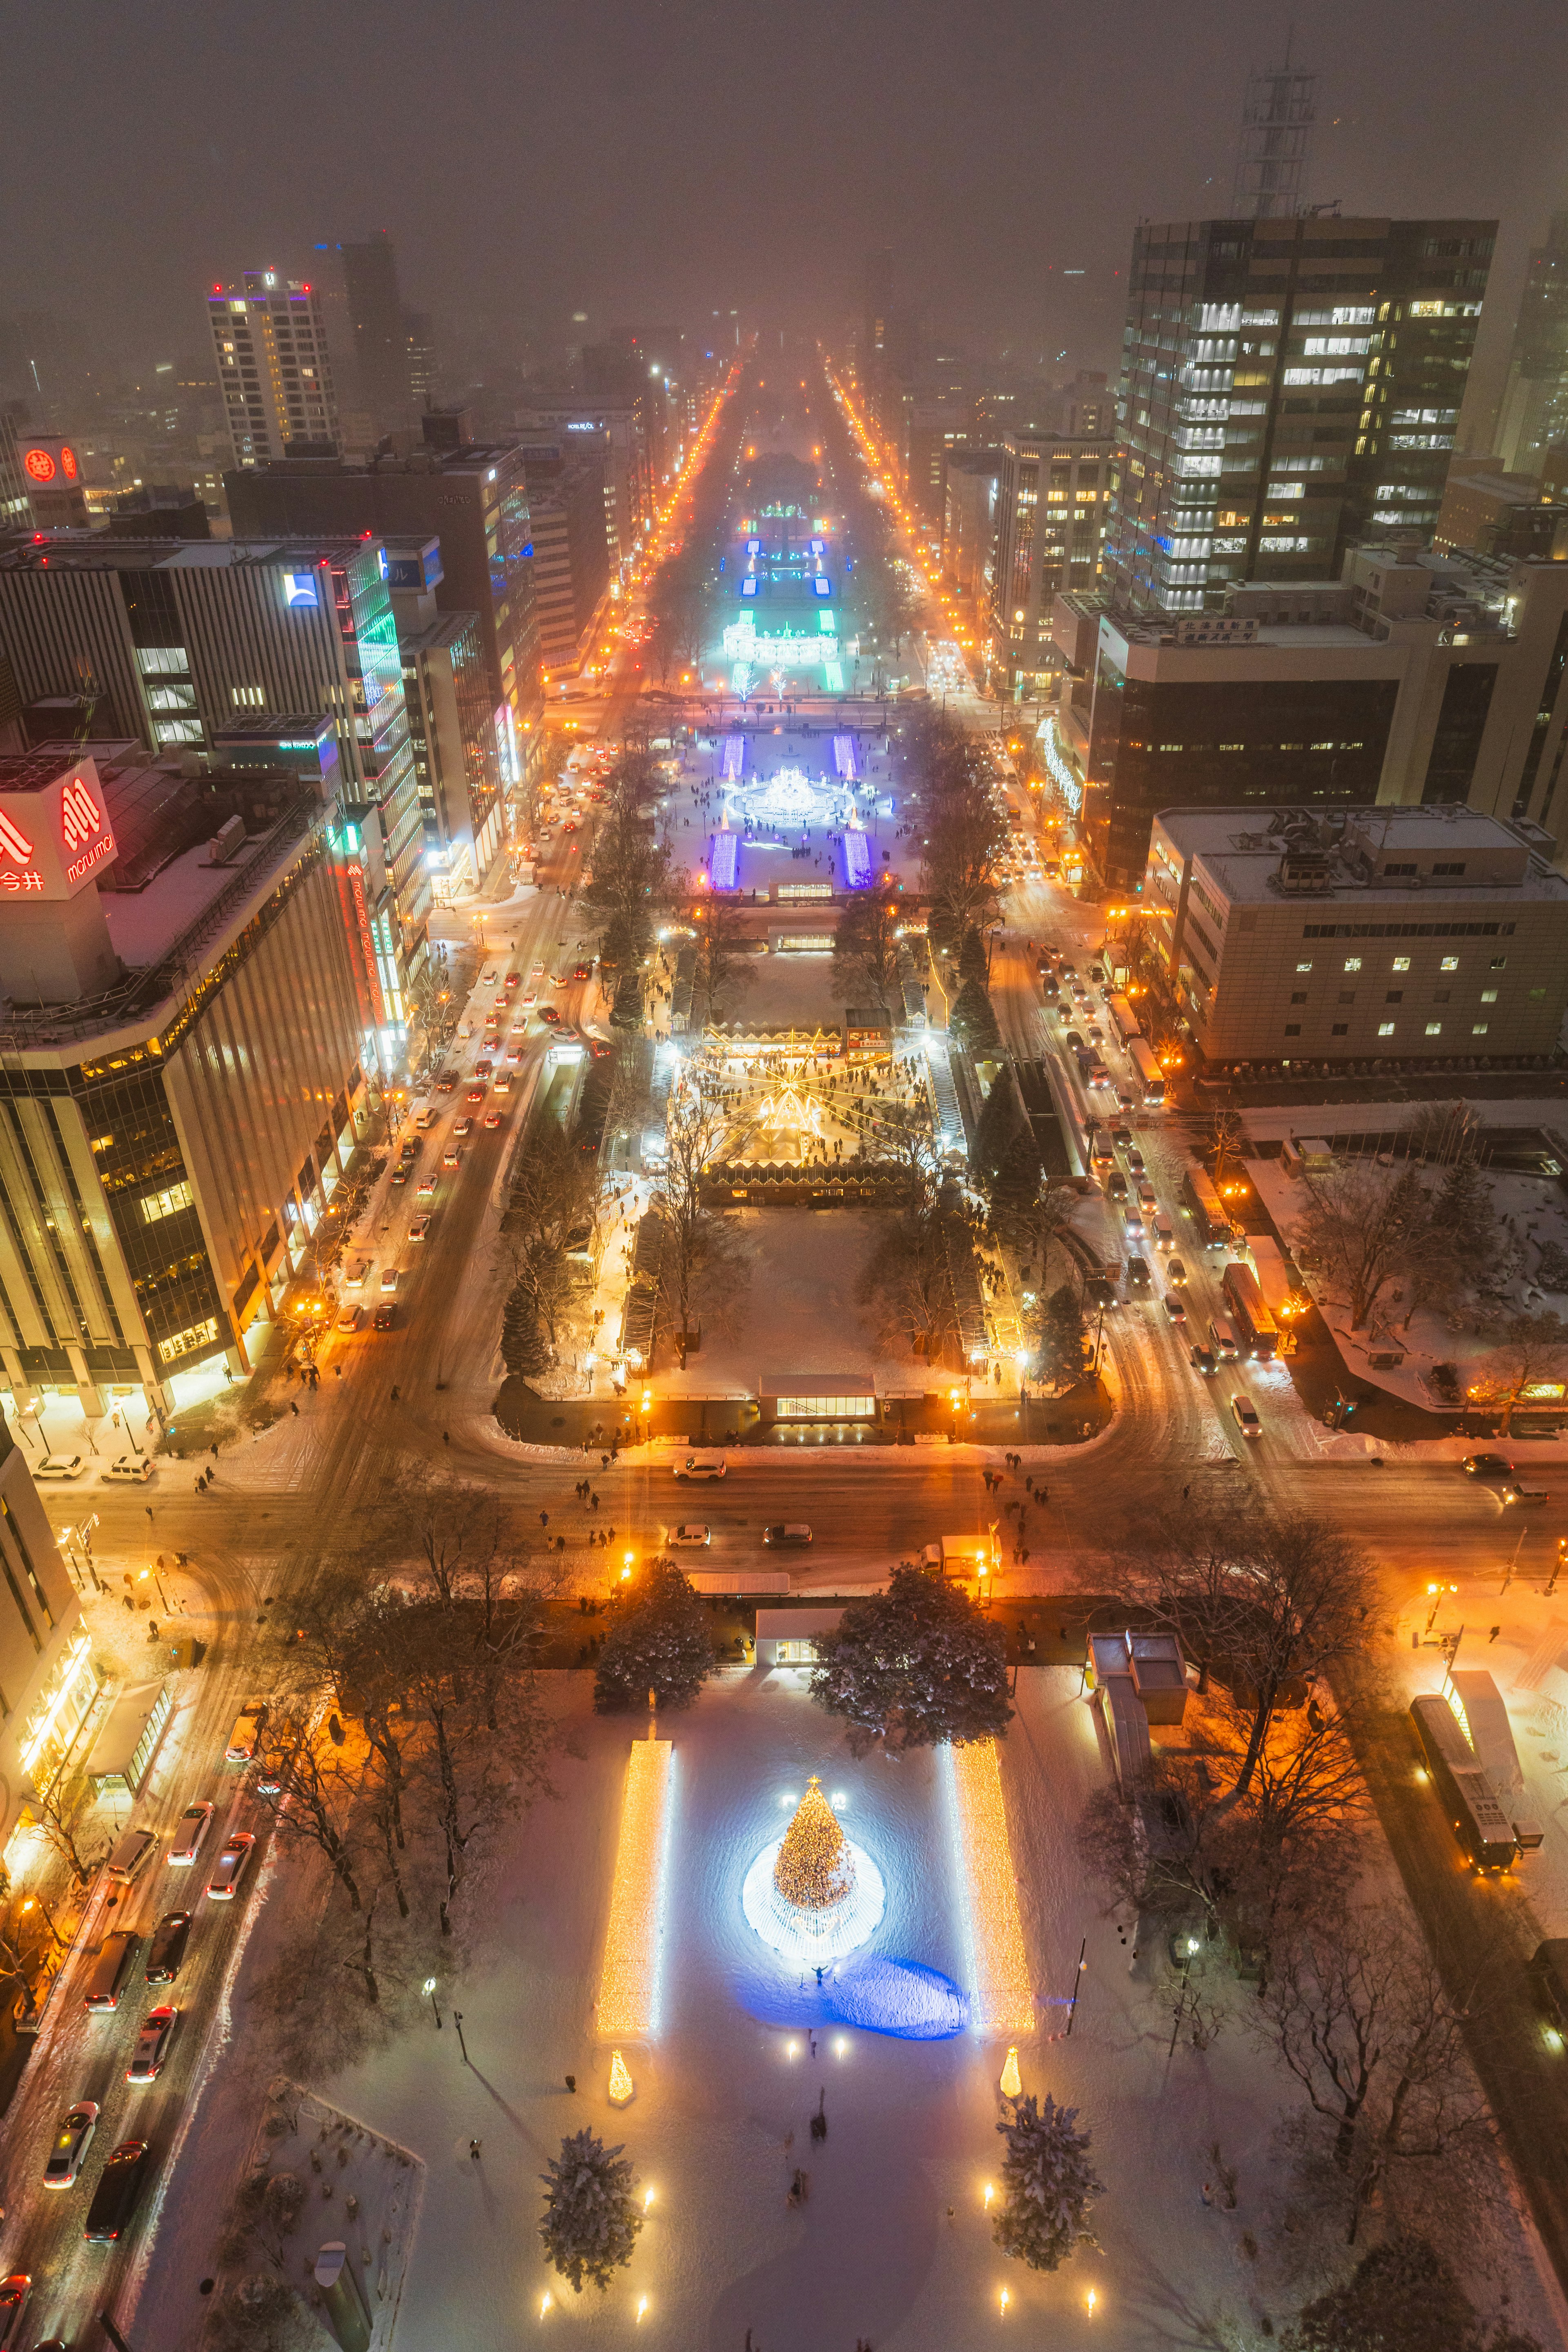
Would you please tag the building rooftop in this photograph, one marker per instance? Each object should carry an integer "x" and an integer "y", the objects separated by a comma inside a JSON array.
[
  {"x": 102, "y": 552},
  {"x": 1362, "y": 855}
]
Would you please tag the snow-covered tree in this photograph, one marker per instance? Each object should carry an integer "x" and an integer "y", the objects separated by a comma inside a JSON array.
[
  {"x": 1049, "y": 2184},
  {"x": 1402, "y": 2297},
  {"x": 660, "y": 1642},
  {"x": 591, "y": 2220},
  {"x": 916, "y": 1666}
]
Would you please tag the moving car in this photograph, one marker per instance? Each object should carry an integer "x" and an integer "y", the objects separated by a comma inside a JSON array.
[
  {"x": 14, "y": 2293},
  {"x": 451, "y": 1155},
  {"x": 167, "y": 1948},
  {"x": 551, "y": 1015},
  {"x": 129, "y": 1854},
  {"x": 246, "y": 1736},
  {"x": 106, "y": 1980},
  {"x": 400, "y": 1173},
  {"x": 1174, "y": 1308},
  {"x": 580, "y": 971},
  {"x": 1518, "y": 1490},
  {"x": 1202, "y": 1359},
  {"x": 137, "y": 1469},
  {"x": 691, "y": 1534},
  {"x": 152, "y": 2044},
  {"x": 59, "y": 1466},
  {"x": 119, "y": 2192},
  {"x": 195, "y": 1824},
  {"x": 385, "y": 1316},
  {"x": 1099, "y": 1292},
  {"x": 231, "y": 1867},
  {"x": 792, "y": 1533},
  {"x": 1245, "y": 1419},
  {"x": 701, "y": 1466},
  {"x": 388, "y": 1280},
  {"x": 427, "y": 1185},
  {"x": 1116, "y": 1185},
  {"x": 492, "y": 1120},
  {"x": 1487, "y": 1466},
  {"x": 420, "y": 1230},
  {"x": 474, "y": 1097},
  {"x": 71, "y": 2143},
  {"x": 1138, "y": 1275},
  {"x": 1175, "y": 1271},
  {"x": 464, "y": 1125}
]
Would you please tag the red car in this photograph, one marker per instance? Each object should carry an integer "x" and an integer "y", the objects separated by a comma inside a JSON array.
[
  {"x": 550, "y": 1015},
  {"x": 580, "y": 971},
  {"x": 475, "y": 1095}
]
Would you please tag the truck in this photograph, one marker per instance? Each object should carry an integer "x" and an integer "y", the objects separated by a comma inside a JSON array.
[
  {"x": 1256, "y": 1330},
  {"x": 1203, "y": 1205},
  {"x": 960, "y": 1556}
]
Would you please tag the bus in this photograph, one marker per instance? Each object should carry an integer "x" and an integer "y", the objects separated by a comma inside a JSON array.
[
  {"x": 1256, "y": 1328},
  {"x": 1482, "y": 1826},
  {"x": 1147, "y": 1070},
  {"x": 1123, "y": 1020},
  {"x": 1203, "y": 1204}
]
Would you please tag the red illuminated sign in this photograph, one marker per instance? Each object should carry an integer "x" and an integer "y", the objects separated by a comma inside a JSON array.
[
  {"x": 367, "y": 946},
  {"x": 13, "y": 840},
  {"x": 40, "y": 466},
  {"x": 79, "y": 818},
  {"x": 68, "y": 461}
]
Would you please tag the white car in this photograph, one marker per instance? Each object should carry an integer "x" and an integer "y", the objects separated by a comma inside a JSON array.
[
  {"x": 59, "y": 1466},
  {"x": 701, "y": 1466},
  {"x": 71, "y": 2143},
  {"x": 691, "y": 1535},
  {"x": 137, "y": 1467},
  {"x": 195, "y": 1824}
]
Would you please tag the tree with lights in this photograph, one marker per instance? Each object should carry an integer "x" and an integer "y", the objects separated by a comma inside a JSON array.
[
  {"x": 590, "y": 2221},
  {"x": 1049, "y": 2184},
  {"x": 814, "y": 1871},
  {"x": 660, "y": 1642},
  {"x": 916, "y": 1666}
]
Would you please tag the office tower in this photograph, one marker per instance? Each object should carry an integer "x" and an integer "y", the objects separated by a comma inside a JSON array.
[
  {"x": 610, "y": 432},
  {"x": 968, "y": 530},
  {"x": 451, "y": 723},
  {"x": 1053, "y": 496},
  {"x": 473, "y": 497},
  {"x": 617, "y": 373},
  {"x": 269, "y": 339},
  {"x": 179, "y": 1056},
  {"x": 419, "y": 358},
  {"x": 875, "y": 325},
  {"x": 1486, "y": 511},
  {"x": 175, "y": 641},
  {"x": 1287, "y": 386},
  {"x": 376, "y": 359},
  {"x": 1413, "y": 679},
  {"x": 1534, "y": 411},
  {"x": 1276, "y": 135},
  {"x": 571, "y": 548},
  {"x": 47, "y": 1670},
  {"x": 16, "y": 510},
  {"x": 1089, "y": 406}
]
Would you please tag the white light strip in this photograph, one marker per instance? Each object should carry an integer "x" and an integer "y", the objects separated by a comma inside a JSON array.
[{"x": 628, "y": 1986}]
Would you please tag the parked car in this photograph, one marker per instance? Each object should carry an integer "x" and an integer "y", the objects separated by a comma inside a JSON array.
[
  {"x": 118, "y": 2193},
  {"x": 1174, "y": 1308},
  {"x": 1487, "y": 1466},
  {"x": 1245, "y": 1417},
  {"x": 166, "y": 1948},
  {"x": 349, "y": 1320},
  {"x": 1202, "y": 1359},
  {"x": 111, "y": 1967},
  {"x": 789, "y": 1533},
  {"x": 691, "y": 1534},
  {"x": 246, "y": 1736},
  {"x": 231, "y": 1867},
  {"x": 152, "y": 2044},
  {"x": 134, "y": 1468},
  {"x": 59, "y": 1466},
  {"x": 195, "y": 1824},
  {"x": 128, "y": 1857},
  {"x": 71, "y": 2145}
]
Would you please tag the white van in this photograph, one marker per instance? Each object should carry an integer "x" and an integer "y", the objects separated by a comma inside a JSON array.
[{"x": 701, "y": 1466}]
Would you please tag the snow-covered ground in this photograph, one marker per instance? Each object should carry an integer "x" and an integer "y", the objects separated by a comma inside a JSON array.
[{"x": 892, "y": 2245}]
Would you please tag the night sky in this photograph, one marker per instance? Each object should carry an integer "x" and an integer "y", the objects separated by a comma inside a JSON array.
[{"x": 653, "y": 162}]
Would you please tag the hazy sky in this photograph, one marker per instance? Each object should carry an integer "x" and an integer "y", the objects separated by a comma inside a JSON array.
[{"x": 660, "y": 159}]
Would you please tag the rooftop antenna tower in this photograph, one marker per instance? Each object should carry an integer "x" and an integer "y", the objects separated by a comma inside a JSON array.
[{"x": 1275, "y": 134}]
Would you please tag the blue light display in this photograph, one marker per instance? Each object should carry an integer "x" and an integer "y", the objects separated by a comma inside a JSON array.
[
  {"x": 748, "y": 587},
  {"x": 300, "y": 588},
  {"x": 822, "y": 587}
]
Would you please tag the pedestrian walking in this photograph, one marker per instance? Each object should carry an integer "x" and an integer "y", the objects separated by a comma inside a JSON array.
[
  {"x": 474, "y": 2149},
  {"x": 571, "y": 2084}
]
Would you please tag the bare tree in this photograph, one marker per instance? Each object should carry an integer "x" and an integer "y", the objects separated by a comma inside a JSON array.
[
  {"x": 1265, "y": 1601},
  {"x": 866, "y": 949},
  {"x": 1358, "y": 2010},
  {"x": 1365, "y": 1226},
  {"x": 723, "y": 968},
  {"x": 1528, "y": 1353},
  {"x": 702, "y": 1270}
]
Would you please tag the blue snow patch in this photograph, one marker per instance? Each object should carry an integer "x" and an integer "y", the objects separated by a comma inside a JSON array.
[{"x": 903, "y": 1998}]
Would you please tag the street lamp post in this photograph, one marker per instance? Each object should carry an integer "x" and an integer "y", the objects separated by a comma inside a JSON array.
[
  {"x": 431, "y": 1988},
  {"x": 457, "y": 2021}
]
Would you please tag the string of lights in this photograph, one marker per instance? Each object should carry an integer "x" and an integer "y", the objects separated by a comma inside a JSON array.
[
  {"x": 1003, "y": 1990},
  {"x": 814, "y": 1870},
  {"x": 628, "y": 1984}
]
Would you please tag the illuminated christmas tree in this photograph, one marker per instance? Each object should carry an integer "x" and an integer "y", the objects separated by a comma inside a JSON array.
[{"x": 815, "y": 1872}]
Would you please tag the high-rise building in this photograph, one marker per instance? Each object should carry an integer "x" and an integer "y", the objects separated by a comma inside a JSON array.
[
  {"x": 1534, "y": 411},
  {"x": 48, "y": 1679},
  {"x": 1413, "y": 679},
  {"x": 969, "y": 531},
  {"x": 419, "y": 353},
  {"x": 173, "y": 641},
  {"x": 269, "y": 339},
  {"x": 611, "y": 431},
  {"x": 181, "y": 1044},
  {"x": 571, "y": 547},
  {"x": 1053, "y": 496},
  {"x": 377, "y": 358},
  {"x": 472, "y": 496},
  {"x": 1289, "y": 387},
  {"x": 876, "y": 326},
  {"x": 1275, "y": 136},
  {"x": 451, "y": 723}
]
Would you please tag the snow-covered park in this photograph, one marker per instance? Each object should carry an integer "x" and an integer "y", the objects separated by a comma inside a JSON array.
[{"x": 890, "y": 2244}]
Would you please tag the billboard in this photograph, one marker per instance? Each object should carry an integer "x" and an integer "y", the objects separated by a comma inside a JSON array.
[
  {"x": 49, "y": 463},
  {"x": 56, "y": 839}
]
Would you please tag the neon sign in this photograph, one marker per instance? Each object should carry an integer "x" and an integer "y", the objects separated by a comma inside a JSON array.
[
  {"x": 79, "y": 818},
  {"x": 40, "y": 466},
  {"x": 13, "y": 840}
]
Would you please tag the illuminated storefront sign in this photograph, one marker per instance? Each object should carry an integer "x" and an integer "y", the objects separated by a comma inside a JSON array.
[
  {"x": 53, "y": 841},
  {"x": 362, "y": 917}
]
